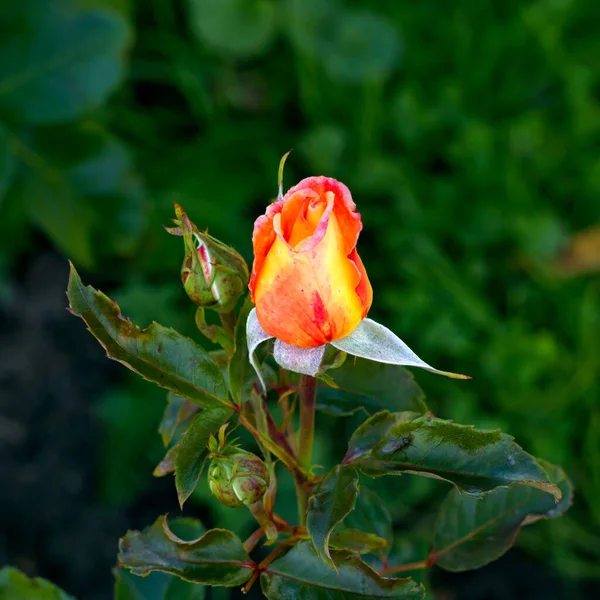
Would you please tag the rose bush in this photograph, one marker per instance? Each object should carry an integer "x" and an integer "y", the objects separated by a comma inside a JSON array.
[{"x": 311, "y": 292}]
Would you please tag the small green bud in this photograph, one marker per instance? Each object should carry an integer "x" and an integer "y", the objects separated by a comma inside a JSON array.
[
  {"x": 237, "y": 477},
  {"x": 213, "y": 274}
]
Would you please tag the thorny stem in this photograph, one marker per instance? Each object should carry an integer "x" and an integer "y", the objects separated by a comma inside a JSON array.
[{"x": 308, "y": 392}]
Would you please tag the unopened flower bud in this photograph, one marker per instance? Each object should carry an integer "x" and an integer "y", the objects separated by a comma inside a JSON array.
[
  {"x": 237, "y": 477},
  {"x": 213, "y": 274}
]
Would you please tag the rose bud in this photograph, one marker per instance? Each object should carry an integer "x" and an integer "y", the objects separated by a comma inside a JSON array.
[
  {"x": 237, "y": 477},
  {"x": 308, "y": 283},
  {"x": 213, "y": 274},
  {"x": 310, "y": 288}
]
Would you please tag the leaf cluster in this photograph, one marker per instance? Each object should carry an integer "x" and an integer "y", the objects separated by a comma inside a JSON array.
[{"x": 498, "y": 487}]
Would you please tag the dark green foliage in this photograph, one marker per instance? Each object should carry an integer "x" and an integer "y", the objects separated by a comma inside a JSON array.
[
  {"x": 240, "y": 374},
  {"x": 331, "y": 503},
  {"x": 156, "y": 586},
  {"x": 471, "y": 532},
  {"x": 371, "y": 386},
  {"x": 468, "y": 137},
  {"x": 15, "y": 585},
  {"x": 177, "y": 411},
  {"x": 474, "y": 461},
  {"x": 302, "y": 574},
  {"x": 157, "y": 353},
  {"x": 212, "y": 558},
  {"x": 192, "y": 451},
  {"x": 370, "y": 514},
  {"x": 356, "y": 541}
]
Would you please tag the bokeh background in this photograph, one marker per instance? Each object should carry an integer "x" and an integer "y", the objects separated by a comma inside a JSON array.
[{"x": 469, "y": 134}]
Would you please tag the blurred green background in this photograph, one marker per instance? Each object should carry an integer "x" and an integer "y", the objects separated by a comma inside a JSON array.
[{"x": 469, "y": 135}]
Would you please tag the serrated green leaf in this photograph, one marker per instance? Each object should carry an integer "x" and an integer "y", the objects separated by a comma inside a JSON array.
[
  {"x": 215, "y": 558},
  {"x": 471, "y": 532},
  {"x": 474, "y": 461},
  {"x": 157, "y": 353},
  {"x": 356, "y": 541},
  {"x": 240, "y": 371},
  {"x": 328, "y": 507},
  {"x": 192, "y": 452},
  {"x": 48, "y": 52},
  {"x": 15, "y": 585},
  {"x": 371, "y": 514},
  {"x": 302, "y": 574},
  {"x": 372, "y": 386},
  {"x": 162, "y": 586}
]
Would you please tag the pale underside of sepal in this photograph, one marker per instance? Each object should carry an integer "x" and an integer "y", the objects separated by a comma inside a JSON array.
[
  {"x": 375, "y": 342},
  {"x": 369, "y": 340},
  {"x": 300, "y": 360},
  {"x": 255, "y": 335},
  {"x": 293, "y": 358}
]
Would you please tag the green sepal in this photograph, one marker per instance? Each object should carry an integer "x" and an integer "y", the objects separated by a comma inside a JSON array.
[{"x": 213, "y": 274}]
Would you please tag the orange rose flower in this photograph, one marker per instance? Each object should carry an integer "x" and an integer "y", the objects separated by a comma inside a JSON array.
[{"x": 308, "y": 283}]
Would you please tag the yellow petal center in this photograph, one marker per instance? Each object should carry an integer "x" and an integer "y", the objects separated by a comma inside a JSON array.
[{"x": 308, "y": 218}]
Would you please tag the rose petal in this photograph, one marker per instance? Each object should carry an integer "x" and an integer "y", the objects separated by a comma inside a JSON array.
[
  {"x": 263, "y": 237},
  {"x": 375, "y": 342},
  {"x": 363, "y": 289},
  {"x": 308, "y": 299},
  {"x": 345, "y": 209}
]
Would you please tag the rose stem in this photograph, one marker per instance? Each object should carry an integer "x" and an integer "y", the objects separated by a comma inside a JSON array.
[
  {"x": 278, "y": 451},
  {"x": 308, "y": 393},
  {"x": 254, "y": 538},
  {"x": 266, "y": 562},
  {"x": 422, "y": 564},
  {"x": 260, "y": 514},
  {"x": 287, "y": 425}
]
